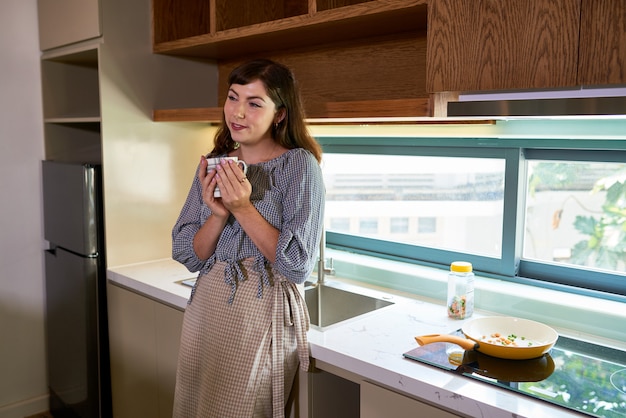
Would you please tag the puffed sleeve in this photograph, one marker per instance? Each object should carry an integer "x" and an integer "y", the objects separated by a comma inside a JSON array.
[
  {"x": 192, "y": 216},
  {"x": 303, "y": 210}
]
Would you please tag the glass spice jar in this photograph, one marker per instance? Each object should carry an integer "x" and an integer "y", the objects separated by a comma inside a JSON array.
[{"x": 460, "y": 290}]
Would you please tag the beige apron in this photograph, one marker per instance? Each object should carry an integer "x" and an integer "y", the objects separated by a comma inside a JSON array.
[{"x": 239, "y": 360}]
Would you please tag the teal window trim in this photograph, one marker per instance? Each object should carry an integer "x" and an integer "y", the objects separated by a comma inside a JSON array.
[{"x": 515, "y": 151}]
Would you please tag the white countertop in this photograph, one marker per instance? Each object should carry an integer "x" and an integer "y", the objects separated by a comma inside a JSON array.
[
  {"x": 159, "y": 280},
  {"x": 370, "y": 346}
]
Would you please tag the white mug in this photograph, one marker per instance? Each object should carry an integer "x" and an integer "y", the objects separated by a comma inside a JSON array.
[{"x": 213, "y": 162}]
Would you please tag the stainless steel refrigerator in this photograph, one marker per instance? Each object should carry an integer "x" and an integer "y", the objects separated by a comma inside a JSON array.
[{"x": 75, "y": 272}]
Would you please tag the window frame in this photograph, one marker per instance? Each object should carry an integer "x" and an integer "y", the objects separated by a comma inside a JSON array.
[{"x": 510, "y": 266}]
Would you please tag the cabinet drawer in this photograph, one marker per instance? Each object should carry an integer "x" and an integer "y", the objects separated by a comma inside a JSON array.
[{"x": 380, "y": 402}]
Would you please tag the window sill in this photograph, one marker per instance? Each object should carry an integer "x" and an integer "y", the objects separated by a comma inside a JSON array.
[{"x": 580, "y": 314}]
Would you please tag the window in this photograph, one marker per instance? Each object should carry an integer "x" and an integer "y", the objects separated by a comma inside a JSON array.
[
  {"x": 399, "y": 225},
  {"x": 575, "y": 218},
  {"x": 575, "y": 213},
  {"x": 340, "y": 224},
  {"x": 368, "y": 226},
  {"x": 548, "y": 215},
  {"x": 463, "y": 197},
  {"x": 427, "y": 225}
]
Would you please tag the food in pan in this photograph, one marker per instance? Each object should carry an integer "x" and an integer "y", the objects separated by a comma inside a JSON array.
[{"x": 510, "y": 340}]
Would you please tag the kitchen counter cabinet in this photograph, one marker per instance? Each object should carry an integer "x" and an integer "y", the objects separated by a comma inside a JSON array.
[
  {"x": 337, "y": 393},
  {"x": 379, "y": 402},
  {"x": 332, "y": 395},
  {"x": 368, "y": 348},
  {"x": 535, "y": 44},
  {"x": 144, "y": 338}
]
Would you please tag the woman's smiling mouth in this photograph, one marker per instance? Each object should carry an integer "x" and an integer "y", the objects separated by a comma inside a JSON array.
[{"x": 236, "y": 126}]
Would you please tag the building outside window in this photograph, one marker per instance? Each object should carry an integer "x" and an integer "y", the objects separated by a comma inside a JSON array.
[{"x": 453, "y": 203}]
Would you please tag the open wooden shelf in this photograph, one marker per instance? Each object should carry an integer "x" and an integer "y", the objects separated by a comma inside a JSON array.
[
  {"x": 70, "y": 86},
  {"x": 249, "y": 29},
  {"x": 352, "y": 58},
  {"x": 71, "y": 104}
]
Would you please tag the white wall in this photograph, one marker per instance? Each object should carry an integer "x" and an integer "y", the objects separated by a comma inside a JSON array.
[
  {"x": 148, "y": 166},
  {"x": 23, "y": 387}
]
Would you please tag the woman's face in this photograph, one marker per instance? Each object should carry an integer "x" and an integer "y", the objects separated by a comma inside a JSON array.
[{"x": 249, "y": 113}]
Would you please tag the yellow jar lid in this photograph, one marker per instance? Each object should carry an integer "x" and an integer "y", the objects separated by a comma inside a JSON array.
[{"x": 461, "y": 267}]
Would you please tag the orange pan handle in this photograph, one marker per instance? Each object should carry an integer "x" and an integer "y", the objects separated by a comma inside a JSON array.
[{"x": 443, "y": 338}]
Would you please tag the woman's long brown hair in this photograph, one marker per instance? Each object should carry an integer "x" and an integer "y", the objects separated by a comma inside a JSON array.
[{"x": 282, "y": 88}]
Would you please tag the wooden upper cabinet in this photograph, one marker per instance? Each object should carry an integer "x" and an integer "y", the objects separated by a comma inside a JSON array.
[
  {"x": 499, "y": 45},
  {"x": 602, "y": 42}
]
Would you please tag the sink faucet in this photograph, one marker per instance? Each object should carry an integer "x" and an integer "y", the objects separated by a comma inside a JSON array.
[{"x": 322, "y": 269}]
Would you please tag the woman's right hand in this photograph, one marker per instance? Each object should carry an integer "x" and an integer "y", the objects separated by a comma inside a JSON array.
[
  {"x": 205, "y": 240},
  {"x": 209, "y": 182}
]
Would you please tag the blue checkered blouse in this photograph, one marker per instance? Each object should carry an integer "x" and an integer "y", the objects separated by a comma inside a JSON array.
[{"x": 289, "y": 193}]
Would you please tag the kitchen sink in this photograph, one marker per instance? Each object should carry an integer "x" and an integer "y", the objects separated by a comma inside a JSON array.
[
  {"x": 329, "y": 304},
  {"x": 336, "y": 304}
]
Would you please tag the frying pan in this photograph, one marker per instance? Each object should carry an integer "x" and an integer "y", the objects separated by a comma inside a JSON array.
[{"x": 533, "y": 338}]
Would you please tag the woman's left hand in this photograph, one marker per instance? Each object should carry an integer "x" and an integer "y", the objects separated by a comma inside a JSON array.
[{"x": 234, "y": 185}]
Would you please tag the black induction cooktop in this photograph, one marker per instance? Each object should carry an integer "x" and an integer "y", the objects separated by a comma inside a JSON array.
[{"x": 575, "y": 374}]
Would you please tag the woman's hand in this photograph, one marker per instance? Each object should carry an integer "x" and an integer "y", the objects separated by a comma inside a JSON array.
[
  {"x": 236, "y": 191},
  {"x": 234, "y": 186},
  {"x": 209, "y": 182}
]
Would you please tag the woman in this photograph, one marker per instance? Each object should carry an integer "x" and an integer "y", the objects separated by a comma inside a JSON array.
[{"x": 244, "y": 330}]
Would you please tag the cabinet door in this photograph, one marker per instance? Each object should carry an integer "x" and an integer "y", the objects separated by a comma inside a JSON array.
[
  {"x": 62, "y": 22},
  {"x": 133, "y": 354},
  {"x": 332, "y": 396},
  {"x": 169, "y": 325},
  {"x": 500, "y": 45},
  {"x": 143, "y": 338},
  {"x": 602, "y": 42},
  {"x": 379, "y": 402}
]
